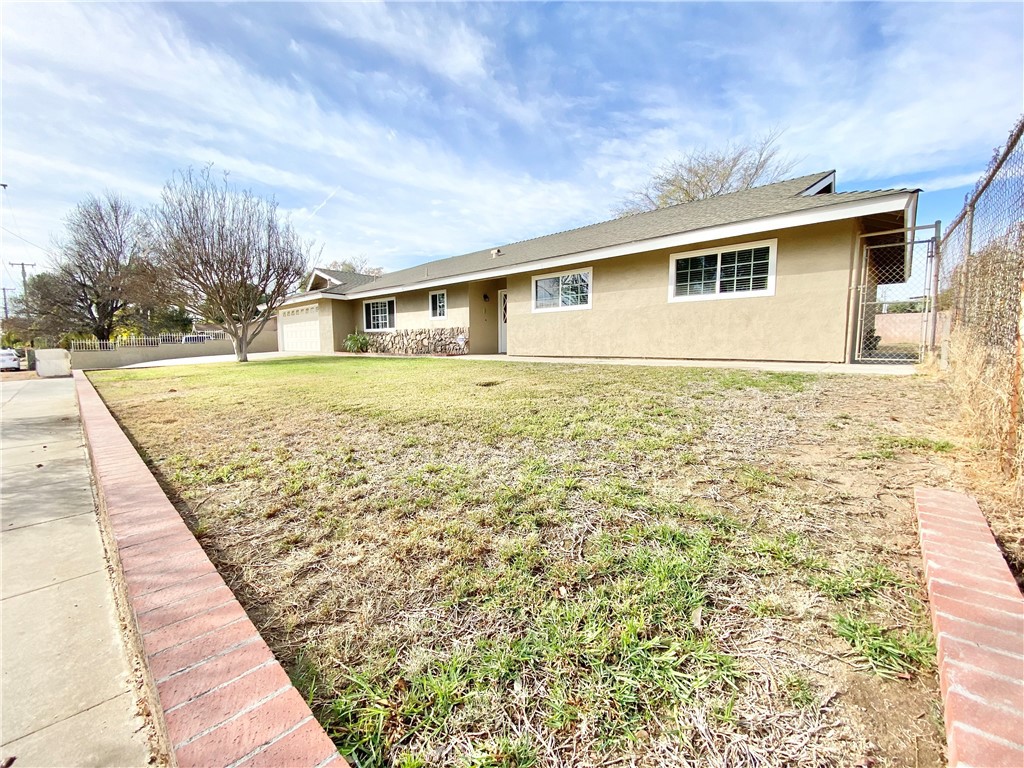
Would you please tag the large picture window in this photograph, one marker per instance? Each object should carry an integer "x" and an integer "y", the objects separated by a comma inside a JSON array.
[
  {"x": 379, "y": 315},
  {"x": 565, "y": 290},
  {"x": 730, "y": 272}
]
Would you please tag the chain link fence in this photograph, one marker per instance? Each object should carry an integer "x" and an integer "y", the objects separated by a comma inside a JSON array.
[
  {"x": 896, "y": 298},
  {"x": 982, "y": 288}
]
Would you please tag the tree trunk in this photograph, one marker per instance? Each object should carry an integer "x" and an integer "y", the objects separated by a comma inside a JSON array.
[{"x": 242, "y": 348}]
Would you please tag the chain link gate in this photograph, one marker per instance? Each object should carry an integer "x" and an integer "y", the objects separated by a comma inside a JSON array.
[{"x": 897, "y": 320}]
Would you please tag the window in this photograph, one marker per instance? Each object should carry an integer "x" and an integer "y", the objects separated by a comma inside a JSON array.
[
  {"x": 438, "y": 305},
  {"x": 379, "y": 315},
  {"x": 566, "y": 290},
  {"x": 731, "y": 272}
]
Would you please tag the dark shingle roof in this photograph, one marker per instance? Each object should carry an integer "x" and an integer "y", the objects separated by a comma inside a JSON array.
[
  {"x": 759, "y": 202},
  {"x": 346, "y": 281}
]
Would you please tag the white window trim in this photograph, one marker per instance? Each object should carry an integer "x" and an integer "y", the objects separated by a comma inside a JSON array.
[
  {"x": 375, "y": 301},
  {"x": 430, "y": 305},
  {"x": 773, "y": 246},
  {"x": 588, "y": 271}
]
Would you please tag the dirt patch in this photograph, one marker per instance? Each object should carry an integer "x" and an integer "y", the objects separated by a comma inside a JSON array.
[
  {"x": 17, "y": 375},
  {"x": 584, "y": 565}
]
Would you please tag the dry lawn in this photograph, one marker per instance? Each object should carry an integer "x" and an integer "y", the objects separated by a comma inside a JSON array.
[{"x": 503, "y": 564}]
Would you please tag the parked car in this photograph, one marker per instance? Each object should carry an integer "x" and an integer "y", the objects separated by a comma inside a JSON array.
[{"x": 9, "y": 360}]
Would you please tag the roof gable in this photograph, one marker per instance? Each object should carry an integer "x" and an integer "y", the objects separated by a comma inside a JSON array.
[{"x": 336, "y": 280}]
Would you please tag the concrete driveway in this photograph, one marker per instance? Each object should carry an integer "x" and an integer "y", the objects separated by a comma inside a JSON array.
[{"x": 253, "y": 356}]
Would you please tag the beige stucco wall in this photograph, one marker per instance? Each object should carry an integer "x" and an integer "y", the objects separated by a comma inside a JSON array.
[
  {"x": 908, "y": 327},
  {"x": 343, "y": 321},
  {"x": 483, "y": 316},
  {"x": 88, "y": 360},
  {"x": 325, "y": 318},
  {"x": 806, "y": 319},
  {"x": 413, "y": 309}
]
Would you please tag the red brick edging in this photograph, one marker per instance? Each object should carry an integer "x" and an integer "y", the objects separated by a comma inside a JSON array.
[
  {"x": 226, "y": 701},
  {"x": 978, "y": 616}
]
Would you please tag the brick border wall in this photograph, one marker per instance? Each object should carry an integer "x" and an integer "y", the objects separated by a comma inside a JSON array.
[
  {"x": 226, "y": 701},
  {"x": 978, "y": 616}
]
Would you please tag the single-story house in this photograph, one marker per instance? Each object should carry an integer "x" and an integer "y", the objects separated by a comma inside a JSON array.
[{"x": 769, "y": 273}]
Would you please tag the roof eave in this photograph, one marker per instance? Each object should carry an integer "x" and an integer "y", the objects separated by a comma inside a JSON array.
[{"x": 301, "y": 298}]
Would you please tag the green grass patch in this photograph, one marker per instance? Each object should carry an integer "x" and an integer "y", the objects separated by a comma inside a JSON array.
[
  {"x": 889, "y": 653},
  {"x": 891, "y": 446},
  {"x": 799, "y": 691},
  {"x": 861, "y": 581}
]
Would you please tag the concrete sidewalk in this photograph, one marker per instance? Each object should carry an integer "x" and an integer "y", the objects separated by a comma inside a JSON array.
[{"x": 66, "y": 692}]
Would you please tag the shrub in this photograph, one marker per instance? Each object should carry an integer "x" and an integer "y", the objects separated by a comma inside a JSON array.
[{"x": 357, "y": 342}]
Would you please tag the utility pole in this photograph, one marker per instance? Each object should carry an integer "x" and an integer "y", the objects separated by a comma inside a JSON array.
[
  {"x": 24, "y": 278},
  {"x": 7, "y": 314}
]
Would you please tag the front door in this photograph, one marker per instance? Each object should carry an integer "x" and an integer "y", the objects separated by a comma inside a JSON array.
[{"x": 502, "y": 321}]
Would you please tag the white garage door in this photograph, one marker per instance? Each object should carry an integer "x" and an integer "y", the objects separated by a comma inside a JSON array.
[{"x": 300, "y": 329}]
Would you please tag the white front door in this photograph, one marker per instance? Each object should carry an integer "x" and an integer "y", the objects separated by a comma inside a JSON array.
[{"x": 502, "y": 322}]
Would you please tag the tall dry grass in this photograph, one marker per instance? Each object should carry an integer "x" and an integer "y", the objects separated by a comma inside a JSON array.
[{"x": 981, "y": 377}]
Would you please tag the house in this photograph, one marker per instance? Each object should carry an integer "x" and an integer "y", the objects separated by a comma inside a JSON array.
[{"x": 778, "y": 272}]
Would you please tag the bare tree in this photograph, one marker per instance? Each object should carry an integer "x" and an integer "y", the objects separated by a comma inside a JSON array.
[
  {"x": 357, "y": 264},
  {"x": 95, "y": 271},
  {"x": 704, "y": 173},
  {"x": 224, "y": 254}
]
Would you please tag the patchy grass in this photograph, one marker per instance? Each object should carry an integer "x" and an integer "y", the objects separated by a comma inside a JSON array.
[
  {"x": 888, "y": 652},
  {"x": 496, "y": 564},
  {"x": 799, "y": 690},
  {"x": 860, "y": 581},
  {"x": 890, "y": 446}
]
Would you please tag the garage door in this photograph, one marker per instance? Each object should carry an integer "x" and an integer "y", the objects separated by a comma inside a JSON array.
[{"x": 300, "y": 329}]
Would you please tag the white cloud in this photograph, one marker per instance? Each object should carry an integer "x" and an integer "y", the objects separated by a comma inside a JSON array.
[
  {"x": 178, "y": 103},
  {"x": 924, "y": 98},
  {"x": 942, "y": 183},
  {"x": 450, "y": 49},
  {"x": 441, "y": 141},
  {"x": 929, "y": 98}
]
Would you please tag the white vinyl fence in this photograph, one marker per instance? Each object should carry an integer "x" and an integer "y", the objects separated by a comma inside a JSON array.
[{"x": 199, "y": 337}]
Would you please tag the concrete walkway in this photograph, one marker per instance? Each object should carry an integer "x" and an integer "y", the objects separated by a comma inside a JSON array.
[{"x": 66, "y": 695}]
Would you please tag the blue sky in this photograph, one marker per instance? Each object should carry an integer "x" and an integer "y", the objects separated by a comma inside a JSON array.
[{"x": 406, "y": 132}]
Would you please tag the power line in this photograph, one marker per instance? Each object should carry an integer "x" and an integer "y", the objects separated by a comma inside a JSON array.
[
  {"x": 6, "y": 198},
  {"x": 9, "y": 273},
  {"x": 44, "y": 250}
]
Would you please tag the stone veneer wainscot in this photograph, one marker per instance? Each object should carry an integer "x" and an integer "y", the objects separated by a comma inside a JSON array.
[{"x": 421, "y": 341}]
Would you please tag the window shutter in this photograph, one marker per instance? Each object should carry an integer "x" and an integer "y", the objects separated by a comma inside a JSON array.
[
  {"x": 391, "y": 313},
  {"x": 366, "y": 316}
]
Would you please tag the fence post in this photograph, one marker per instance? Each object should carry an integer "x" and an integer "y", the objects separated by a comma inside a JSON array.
[
  {"x": 965, "y": 277},
  {"x": 936, "y": 268}
]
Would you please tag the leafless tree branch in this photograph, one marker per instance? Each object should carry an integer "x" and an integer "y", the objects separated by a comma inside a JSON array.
[
  {"x": 224, "y": 253},
  {"x": 704, "y": 173}
]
